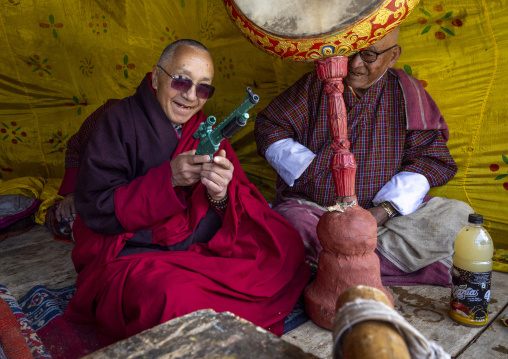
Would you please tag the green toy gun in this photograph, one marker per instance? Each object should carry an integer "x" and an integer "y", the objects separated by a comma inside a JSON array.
[{"x": 210, "y": 139}]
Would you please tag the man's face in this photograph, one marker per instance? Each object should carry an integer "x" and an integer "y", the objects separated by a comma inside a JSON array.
[
  {"x": 362, "y": 75},
  {"x": 189, "y": 62}
]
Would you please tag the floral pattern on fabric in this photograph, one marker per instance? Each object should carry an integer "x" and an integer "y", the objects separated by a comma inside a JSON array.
[{"x": 64, "y": 55}]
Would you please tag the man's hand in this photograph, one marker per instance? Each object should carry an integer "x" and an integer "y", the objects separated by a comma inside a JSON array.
[
  {"x": 186, "y": 168},
  {"x": 66, "y": 209},
  {"x": 379, "y": 215},
  {"x": 217, "y": 175}
]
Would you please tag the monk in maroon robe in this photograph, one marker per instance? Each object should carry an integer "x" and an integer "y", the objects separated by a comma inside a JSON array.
[{"x": 161, "y": 232}]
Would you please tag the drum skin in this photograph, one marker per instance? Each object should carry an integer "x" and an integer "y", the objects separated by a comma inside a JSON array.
[{"x": 342, "y": 41}]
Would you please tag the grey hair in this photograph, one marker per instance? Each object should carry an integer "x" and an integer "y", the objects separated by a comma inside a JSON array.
[{"x": 169, "y": 51}]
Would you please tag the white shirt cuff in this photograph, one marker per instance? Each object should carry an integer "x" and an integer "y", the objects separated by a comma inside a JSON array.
[
  {"x": 405, "y": 191},
  {"x": 289, "y": 158}
]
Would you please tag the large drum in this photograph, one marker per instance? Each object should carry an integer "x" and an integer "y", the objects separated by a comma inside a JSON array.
[{"x": 308, "y": 30}]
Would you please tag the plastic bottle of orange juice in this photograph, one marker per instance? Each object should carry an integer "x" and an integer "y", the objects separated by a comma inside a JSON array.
[{"x": 472, "y": 273}]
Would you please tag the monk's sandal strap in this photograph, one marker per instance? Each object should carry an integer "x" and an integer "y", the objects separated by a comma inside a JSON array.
[{"x": 220, "y": 205}]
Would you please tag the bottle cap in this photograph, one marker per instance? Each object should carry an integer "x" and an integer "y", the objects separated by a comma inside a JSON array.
[{"x": 475, "y": 218}]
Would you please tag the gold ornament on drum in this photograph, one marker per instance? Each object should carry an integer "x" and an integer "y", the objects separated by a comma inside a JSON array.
[{"x": 308, "y": 30}]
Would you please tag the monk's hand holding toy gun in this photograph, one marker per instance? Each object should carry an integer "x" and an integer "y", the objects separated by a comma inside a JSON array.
[
  {"x": 210, "y": 138},
  {"x": 187, "y": 168},
  {"x": 217, "y": 174}
]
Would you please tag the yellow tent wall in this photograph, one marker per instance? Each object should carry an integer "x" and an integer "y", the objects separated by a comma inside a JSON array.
[{"x": 60, "y": 60}]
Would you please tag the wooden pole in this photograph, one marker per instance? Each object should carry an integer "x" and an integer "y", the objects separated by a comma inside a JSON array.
[{"x": 368, "y": 339}]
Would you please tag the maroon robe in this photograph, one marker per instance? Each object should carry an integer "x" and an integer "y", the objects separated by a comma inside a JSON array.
[{"x": 253, "y": 266}]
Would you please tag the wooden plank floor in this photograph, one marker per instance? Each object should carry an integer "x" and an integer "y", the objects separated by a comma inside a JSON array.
[{"x": 35, "y": 258}]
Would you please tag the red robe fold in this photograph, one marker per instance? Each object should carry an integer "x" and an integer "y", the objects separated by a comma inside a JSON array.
[{"x": 253, "y": 267}]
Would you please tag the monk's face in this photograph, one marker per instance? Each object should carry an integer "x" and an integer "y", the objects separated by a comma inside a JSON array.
[
  {"x": 362, "y": 75},
  {"x": 189, "y": 62}
]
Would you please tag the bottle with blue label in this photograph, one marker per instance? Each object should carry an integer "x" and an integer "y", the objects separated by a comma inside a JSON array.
[{"x": 471, "y": 274}]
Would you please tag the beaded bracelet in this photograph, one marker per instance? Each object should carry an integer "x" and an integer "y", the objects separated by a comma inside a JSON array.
[{"x": 220, "y": 205}]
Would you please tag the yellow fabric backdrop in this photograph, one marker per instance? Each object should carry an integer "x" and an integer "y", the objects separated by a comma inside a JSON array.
[{"x": 60, "y": 60}]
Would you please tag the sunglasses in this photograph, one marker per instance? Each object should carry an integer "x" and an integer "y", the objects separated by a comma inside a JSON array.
[{"x": 183, "y": 84}]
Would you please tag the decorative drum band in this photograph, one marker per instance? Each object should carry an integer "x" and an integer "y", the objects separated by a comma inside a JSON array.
[{"x": 308, "y": 30}]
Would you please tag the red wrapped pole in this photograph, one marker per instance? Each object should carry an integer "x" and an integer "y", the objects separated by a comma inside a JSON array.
[
  {"x": 347, "y": 232},
  {"x": 331, "y": 71}
]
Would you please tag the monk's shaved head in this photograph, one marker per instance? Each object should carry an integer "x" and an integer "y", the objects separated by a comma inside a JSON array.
[
  {"x": 169, "y": 52},
  {"x": 188, "y": 61}
]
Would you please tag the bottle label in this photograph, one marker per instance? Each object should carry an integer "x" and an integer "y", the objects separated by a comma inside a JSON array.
[{"x": 469, "y": 302}]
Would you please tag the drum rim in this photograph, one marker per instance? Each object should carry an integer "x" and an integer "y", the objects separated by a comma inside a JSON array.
[{"x": 362, "y": 34}]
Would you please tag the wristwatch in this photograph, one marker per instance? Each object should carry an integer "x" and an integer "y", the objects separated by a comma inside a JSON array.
[{"x": 389, "y": 209}]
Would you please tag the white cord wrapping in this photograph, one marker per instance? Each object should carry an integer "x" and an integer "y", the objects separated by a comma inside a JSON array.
[{"x": 361, "y": 310}]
